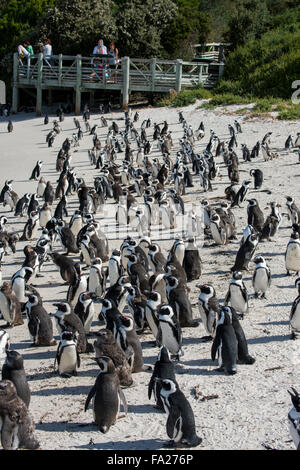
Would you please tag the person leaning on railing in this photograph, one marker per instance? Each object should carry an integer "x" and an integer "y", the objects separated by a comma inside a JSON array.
[{"x": 22, "y": 52}]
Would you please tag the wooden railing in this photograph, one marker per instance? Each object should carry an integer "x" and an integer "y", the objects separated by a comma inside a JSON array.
[{"x": 90, "y": 73}]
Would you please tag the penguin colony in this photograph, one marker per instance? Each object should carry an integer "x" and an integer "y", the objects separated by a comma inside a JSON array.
[{"x": 116, "y": 300}]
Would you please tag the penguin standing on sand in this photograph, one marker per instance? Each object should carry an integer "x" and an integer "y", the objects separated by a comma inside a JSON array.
[
  {"x": 22, "y": 205},
  {"x": 76, "y": 287},
  {"x": 39, "y": 322},
  {"x": 31, "y": 227},
  {"x": 106, "y": 390},
  {"x": 16, "y": 425},
  {"x": 293, "y": 211},
  {"x": 179, "y": 301},
  {"x": 192, "y": 263},
  {"x": 67, "y": 238},
  {"x": 169, "y": 331},
  {"x": 45, "y": 215},
  {"x": 294, "y": 417},
  {"x": 240, "y": 196},
  {"x": 106, "y": 345},
  {"x": 209, "y": 308},
  {"x": 130, "y": 338},
  {"x": 237, "y": 294},
  {"x": 163, "y": 369},
  {"x": 115, "y": 268},
  {"x": 10, "y": 307},
  {"x": 36, "y": 172},
  {"x": 66, "y": 319},
  {"x": 13, "y": 369},
  {"x": 295, "y": 314},
  {"x": 76, "y": 222},
  {"x": 97, "y": 277},
  {"x": 245, "y": 252},
  {"x": 4, "y": 345},
  {"x": 255, "y": 215},
  {"x": 292, "y": 254},
  {"x": 181, "y": 428},
  {"x": 65, "y": 265},
  {"x": 84, "y": 308},
  {"x": 19, "y": 281},
  {"x": 10, "y": 126},
  {"x": 243, "y": 354},
  {"x": 67, "y": 357},
  {"x": 225, "y": 344},
  {"x": 261, "y": 279},
  {"x": 258, "y": 177}
]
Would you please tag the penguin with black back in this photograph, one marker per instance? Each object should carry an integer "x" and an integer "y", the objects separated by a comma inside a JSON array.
[
  {"x": 13, "y": 369},
  {"x": 107, "y": 395},
  {"x": 225, "y": 344},
  {"x": 163, "y": 369},
  {"x": 180, "y": 425},
  {"x": 294, "y": 417}
]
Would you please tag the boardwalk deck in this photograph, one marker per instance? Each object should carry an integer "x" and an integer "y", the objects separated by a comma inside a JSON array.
[{"x": 87, "y": 74}]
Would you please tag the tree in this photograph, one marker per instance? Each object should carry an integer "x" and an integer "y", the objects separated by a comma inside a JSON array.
[
  {"x": 190, "y": 26},
  {"x": 248, "y": 21},
  {"x": 75, "y": 26},
  {"x": 141, "y": 24}
]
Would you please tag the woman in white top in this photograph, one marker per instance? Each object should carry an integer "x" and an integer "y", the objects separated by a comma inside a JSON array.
[{"x": 47, "y": 48}]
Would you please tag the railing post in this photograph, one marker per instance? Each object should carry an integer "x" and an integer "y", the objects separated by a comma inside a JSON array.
[
  {"x": 178, "y": 75},
  {"x": 221, "y": 69},
  {"x": 15, "y": 95},
  {"x": 200, "y": 75},
  {"x": 28, "y": 66},
  {"x": 126, "y": 77},
  {"x": 60, "y": 62},
  {"x": 153, "y": 71},
  {"x": 39, "y": 91},
  {"x": 78, "y": 84}
]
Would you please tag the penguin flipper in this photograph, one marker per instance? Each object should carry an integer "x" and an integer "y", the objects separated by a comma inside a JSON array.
[
  {"x": 151, "y": 386},
  {"x": 123, "y": 400},
  {"x": 89, "y": 397},
  {"x": 174, "y": 423},
  {"x": 78, "y": 358},
  {"x": 215, "y": 345}
]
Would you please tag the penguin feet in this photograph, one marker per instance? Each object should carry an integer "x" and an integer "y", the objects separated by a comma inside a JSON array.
[
  {"x": 206, "y": 339},
  {"x": 246, "y": 360}
]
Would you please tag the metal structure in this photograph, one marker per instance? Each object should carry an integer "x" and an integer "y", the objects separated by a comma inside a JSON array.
[
  {"x": 88, "y": 74},
  {"x": 211, "y": 51}
]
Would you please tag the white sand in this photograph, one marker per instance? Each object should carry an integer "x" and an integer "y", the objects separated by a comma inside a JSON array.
[{"x": 251, "y": 409}]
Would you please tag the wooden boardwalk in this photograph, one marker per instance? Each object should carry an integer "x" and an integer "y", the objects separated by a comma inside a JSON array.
[{"x": 86, "y": 74}]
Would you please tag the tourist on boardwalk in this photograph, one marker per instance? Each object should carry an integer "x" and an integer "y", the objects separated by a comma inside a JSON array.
[
  {"x": 47, "y": 48},
  {"x": 28, "y": 47},
  {"x": 113, "y": 54},
  {"x": 100, "y": 48},
  {"x": 22, "y": 52}
]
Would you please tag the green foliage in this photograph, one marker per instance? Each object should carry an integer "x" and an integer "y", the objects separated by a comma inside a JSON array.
[
  {"x": 140, "y": 25},
  {"x": 75, "y": 26},
  {"x": 185, "y": 97},
  {"x": 190, "y": 26},
  {"x": 248, "y": 21},
  {"x": 17, "y": 19},
  {"x": 292, "y": 114}
]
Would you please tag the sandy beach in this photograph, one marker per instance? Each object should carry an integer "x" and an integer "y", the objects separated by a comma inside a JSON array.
[{"x": 249, "y": 410}]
